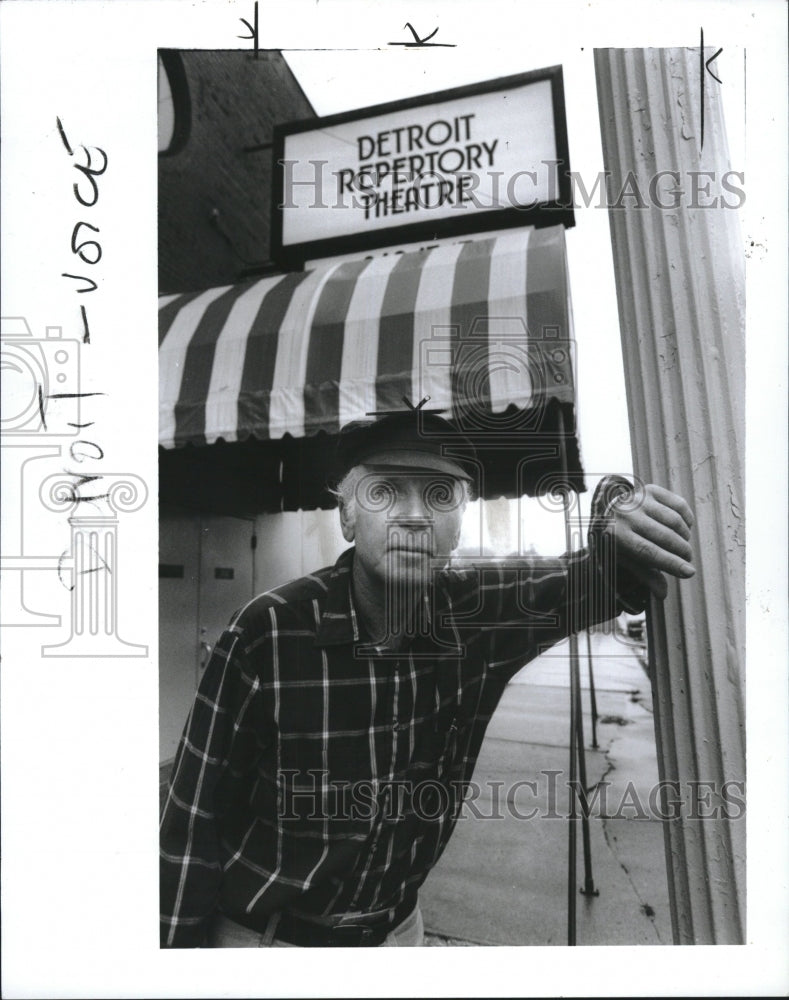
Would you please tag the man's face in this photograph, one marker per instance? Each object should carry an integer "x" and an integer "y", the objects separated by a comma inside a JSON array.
[{"x": 405, "y": 522}]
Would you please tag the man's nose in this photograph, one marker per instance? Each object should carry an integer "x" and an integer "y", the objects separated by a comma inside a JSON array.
[{"x": 411, "y": 507}]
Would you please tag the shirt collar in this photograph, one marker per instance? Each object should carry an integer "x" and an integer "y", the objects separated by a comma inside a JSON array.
[{"x": 340, "y": 623}]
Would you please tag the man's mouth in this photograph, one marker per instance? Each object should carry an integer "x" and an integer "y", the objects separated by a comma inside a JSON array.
[{"x": 411, "y": 550}]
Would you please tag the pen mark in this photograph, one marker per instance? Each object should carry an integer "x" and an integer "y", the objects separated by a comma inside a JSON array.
[
  {"x": 72, "y": 395},
  {"x": 704, "y": 67},
  {"x": 63, "y": 138},
  {"x": 41, "y": 407},
  {"x": 253, "y": 35},
  {"x": 422, "y": 42},
  {"x": 707, "y": 64},
  {"x": 81, "y": 277},
  {"x": 61, "y": 559},
  {"x": 85, "y": 327},
  {"x": 701, "y": 73}
]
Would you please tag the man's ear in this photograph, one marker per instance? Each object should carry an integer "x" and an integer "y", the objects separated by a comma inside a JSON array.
[{"x": 346, "y": 523}]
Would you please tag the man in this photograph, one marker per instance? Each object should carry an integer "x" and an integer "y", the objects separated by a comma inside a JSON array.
[{"x": 338, "y": 722}]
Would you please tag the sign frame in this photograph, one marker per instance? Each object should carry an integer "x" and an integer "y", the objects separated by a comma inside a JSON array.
[{"x": 558, "y": 211}]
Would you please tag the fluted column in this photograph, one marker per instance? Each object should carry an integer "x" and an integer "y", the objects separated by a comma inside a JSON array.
[
  {"x": 93, "y": 564},
  {"x": 679, "y": 266}
]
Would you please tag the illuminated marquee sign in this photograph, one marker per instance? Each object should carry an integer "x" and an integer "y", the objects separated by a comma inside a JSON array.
[{"x": 476, "y": 158}]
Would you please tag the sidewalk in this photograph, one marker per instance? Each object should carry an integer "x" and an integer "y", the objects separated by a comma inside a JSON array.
[{"x": 503, "y": 880}]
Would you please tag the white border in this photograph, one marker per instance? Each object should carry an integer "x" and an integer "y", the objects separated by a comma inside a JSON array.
[{"x": 79, "y": 737}]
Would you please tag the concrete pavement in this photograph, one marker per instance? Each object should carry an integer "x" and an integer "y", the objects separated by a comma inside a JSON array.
[{"x": 503, "y": 878}]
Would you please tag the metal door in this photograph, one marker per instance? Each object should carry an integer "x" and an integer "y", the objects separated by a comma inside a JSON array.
[
  {"x": 206, "y": 571},
  {"x": 226, "y": 575}
]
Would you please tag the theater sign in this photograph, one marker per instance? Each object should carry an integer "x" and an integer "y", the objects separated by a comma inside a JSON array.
[{"x": 472, "y": 159}]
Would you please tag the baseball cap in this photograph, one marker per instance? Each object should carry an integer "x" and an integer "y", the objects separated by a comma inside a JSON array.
[{"x": 415, "y": 438}]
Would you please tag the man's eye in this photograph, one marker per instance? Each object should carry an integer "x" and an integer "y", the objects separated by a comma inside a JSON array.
[
  {"x": 440, "y": 495},
  {"x": 377, "y": 494}
]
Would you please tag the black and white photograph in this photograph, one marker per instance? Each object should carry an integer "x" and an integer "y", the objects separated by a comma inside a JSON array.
[{"x": 394, "y": 479}]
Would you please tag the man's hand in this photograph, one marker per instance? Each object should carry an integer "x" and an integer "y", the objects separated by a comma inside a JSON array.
[{"x": 651, "y": 530}]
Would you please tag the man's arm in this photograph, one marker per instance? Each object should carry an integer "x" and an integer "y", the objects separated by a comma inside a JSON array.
[
  {"x": 222, "y": 738},
  {"x": 635, "y": 535}
]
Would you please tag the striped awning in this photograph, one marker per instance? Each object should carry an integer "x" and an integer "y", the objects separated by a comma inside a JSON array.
[{"x": 483, "y": 328}]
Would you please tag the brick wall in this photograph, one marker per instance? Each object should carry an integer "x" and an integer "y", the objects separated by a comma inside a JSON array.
[{"x": 214, "y": 198}]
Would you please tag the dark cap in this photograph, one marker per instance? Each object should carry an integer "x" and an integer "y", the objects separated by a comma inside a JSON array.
[{"x": 415, "y": 438}]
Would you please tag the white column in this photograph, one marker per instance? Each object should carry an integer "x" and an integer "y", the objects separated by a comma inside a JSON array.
[{"x": 680, "y": 288}]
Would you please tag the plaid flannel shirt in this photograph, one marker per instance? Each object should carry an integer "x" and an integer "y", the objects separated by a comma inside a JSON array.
[{"x": 320, "y": 776}]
